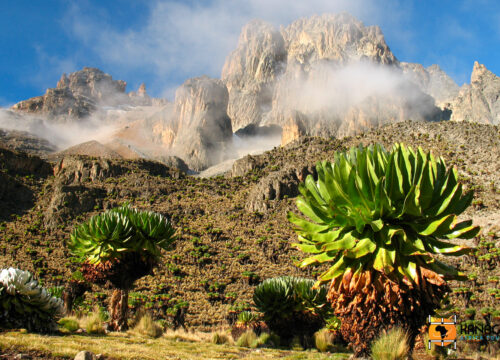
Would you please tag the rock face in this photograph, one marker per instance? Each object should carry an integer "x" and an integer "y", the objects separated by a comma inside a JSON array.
[
  {"x": 432, "y": 80},
  {"x": 76, "y": 95},
  {"x": 307, "y": 77},
  {"x": 277, "y": 186},
  {"x": 294, "y": 128},
  {"x": 335, "y": 37},
  {"x": 202, "y": 128},
  {"x": 479, "y": 101},
  {"x": 82, "y": 93},
  {"x": 250, "y": 72}
]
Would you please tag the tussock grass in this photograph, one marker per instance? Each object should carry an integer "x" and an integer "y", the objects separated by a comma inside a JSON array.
[
  {"x": 92, "y": 324},
  {"x": 324, "y": 340},
  {"x": 220, "y": 337},
  {"x": 266, "y": 340},
  {"x": 393, "y": 345},
  {"x": 246, "y": 339},
  {"x": 146, "y": 326}
]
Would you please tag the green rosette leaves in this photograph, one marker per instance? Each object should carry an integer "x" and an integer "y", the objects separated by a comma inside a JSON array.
[{"x": 387, "y": 211}]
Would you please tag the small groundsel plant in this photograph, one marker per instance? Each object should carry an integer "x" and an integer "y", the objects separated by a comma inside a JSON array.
[
  {"x": 24, "y": 303},
  {"x": 381, "y": 219},
  {"x": 291, "y": 306}
]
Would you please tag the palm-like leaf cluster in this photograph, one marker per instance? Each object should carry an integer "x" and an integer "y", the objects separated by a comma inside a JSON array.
[
  {"x": 26, "y": 304},
  {"x": 386, "y": 211},
  {"x": 122, "y": 230},
  {"x": 290, "y": 304}
]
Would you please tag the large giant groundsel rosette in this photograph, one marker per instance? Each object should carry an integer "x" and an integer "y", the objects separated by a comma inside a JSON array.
[
  {"x": 379, "y": 218},
  {"x": 24, "y": 303}
]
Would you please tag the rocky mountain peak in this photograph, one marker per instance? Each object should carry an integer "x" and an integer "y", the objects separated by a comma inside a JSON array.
[
  {"x": 142, "y": 90},
  {"x": 479, "y": 101},
  {"x": 93, "y": 83},
  {"x": 432, "y": 81},
  {"x": 76, "y": 95},
  {"x": 335, "y": 37},
  {"x": 481, "y": 74}
]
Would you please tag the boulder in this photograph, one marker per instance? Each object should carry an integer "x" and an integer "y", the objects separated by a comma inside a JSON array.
[{"x": 85, "y": 355}]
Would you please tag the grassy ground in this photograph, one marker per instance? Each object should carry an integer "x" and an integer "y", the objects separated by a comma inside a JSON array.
[{"x": 126, "y": 346}]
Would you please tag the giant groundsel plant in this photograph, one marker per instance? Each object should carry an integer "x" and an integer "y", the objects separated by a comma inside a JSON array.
[
  {"x": 24, "y": 303},
  {"x": 379, "y": 218},
  {"x": 118, "y": 247}
]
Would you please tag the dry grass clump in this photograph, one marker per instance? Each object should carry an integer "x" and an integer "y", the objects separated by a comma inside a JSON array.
[
  {"x": 324, "y": 340},
  {"x": 182, "y": 335},
  {"x": 93, "y": 324},
  {"x": 146, "y": 326},
  {"x": 246, "y": 339},
  {"x": 220, "y": 337},
  {"x": 393, "y": 345}
]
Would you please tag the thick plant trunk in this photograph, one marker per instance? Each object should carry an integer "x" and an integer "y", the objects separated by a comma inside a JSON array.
[
  {"x": 370, "y": 303},
  {"x": 73, "y": 290},
  {"x": 118, "y": 310}
]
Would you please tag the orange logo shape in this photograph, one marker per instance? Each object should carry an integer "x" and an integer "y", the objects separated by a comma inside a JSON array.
[{"x": 442, "y": 331}]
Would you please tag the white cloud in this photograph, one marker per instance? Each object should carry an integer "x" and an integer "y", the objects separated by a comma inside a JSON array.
[
  {"x": 51, "y": 69},
  {"x": 181, "y": 40}
]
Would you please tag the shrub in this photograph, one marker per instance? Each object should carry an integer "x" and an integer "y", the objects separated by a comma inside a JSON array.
[
  {"x": 26, "y": 304},
  {"x": 246, "y": 339},
  {"x": 247, "y": 318},
  {"x": 148, "y": 327},
  {"x": 394, "y": 345}
]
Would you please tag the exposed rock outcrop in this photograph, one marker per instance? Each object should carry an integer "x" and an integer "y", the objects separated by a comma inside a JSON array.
[
  {"x": 76, "y": 95},
  {"x": 479, "y": 101},
  {"x": 276, "y": 186},
  {"x": 294, "y": 128},
  {"x": 432, "y": 80},
  {"x": 82, "y": 93},
  {"x": 203, "y": 132},
  {"x": 250, "y": 72}
]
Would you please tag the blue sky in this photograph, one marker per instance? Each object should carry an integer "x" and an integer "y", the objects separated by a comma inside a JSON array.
[{"x": 162, "y": 43}]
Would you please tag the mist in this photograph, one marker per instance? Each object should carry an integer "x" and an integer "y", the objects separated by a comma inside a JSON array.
[
  {"x": 61, "y": 135},
  {"x": 337, "y": 88}
]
